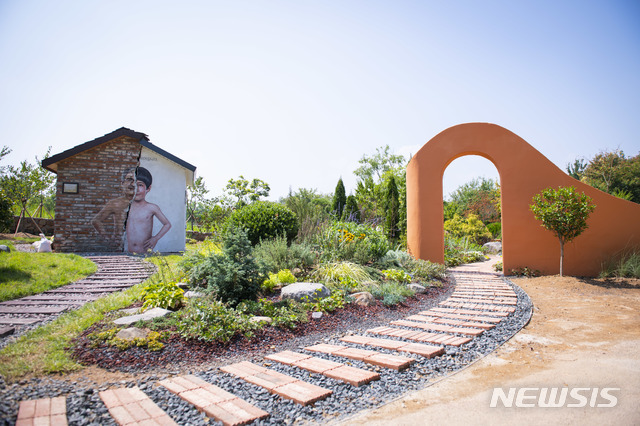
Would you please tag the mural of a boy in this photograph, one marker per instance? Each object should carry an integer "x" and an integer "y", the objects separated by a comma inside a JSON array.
[
  {"x": 139, "y": 227},
  {"x": 109, "y": 221}
]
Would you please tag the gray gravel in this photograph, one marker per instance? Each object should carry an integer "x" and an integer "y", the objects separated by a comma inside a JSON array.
[{"x": 84, "y": 406}]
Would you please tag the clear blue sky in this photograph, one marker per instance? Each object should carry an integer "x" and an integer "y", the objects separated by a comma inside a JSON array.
[{"x": 295, "y": 92}]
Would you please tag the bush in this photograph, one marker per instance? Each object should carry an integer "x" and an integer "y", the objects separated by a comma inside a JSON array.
[
  {"x": 627, "y": 265},
  {"x": 161, "y": 294},
  {"x": 285, "y": 313},
  {"x": 396, "y": 275},
  {"x": 212, "y": 321},
  {"x": 471, "y": 227},
  {"x": 6, "y": 214},
  {"x": 339, "y": 274},
  {"x": 277, "y": 280},
  {"x": 421, "y": 270},
  {"x": 496, "y": 230},
  {"x": 461, "y": 250},
  {"x": 264, "y": 220},
  {"x": 350, "y": 241},
  {"x": 276, "y": 254},
  {"x": 232, "y": 276},
  {"x": 391, "y": 292}
]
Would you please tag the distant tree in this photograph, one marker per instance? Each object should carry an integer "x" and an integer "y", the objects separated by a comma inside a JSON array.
[
  {"x": 393, "y": 211},
  {"x": 339, "y": 199},
  {"x": 614, "y": 173},
  {"x": 564, "y": 212},
  {"x": 480, "y": 197},
  {"x": 195, "y": 196},
  {"x": 6, "y": 205},
  {"x": 351, "y": 211},
  {"x": 576, "y": 169},
  {"x": 311, "y": 208},
  {"x": 22, "y": 183},
  {"x": 243, "y": 192}
]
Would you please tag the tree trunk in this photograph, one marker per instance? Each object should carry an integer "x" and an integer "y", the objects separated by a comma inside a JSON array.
[{"x": 561, "y": 255}]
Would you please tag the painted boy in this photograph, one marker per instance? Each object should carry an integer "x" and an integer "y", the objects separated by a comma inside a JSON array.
[
  {"x": 109, "y": 222},
  {"x": 140, "y": 238}
]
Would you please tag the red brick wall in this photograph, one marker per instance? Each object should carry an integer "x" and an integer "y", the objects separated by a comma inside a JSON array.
[{"x": 98, "y": 172}]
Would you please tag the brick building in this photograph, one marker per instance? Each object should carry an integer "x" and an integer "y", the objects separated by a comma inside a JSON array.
[{"x": 95, "y": 193}]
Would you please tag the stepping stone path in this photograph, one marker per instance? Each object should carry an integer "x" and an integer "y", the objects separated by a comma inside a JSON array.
[
  {"x": 479, "y": 302},
  {"x": 115, "y": 273}
]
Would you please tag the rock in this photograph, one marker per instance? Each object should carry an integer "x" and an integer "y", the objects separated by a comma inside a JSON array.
[
  {"x": 316, "y": 315},
  {"x": 192, "y": 293},
  {"x": 494, "y": 247},
  {"x": 132, "y": 333},
  {"x": 363, "y": 298},
  {"x": 5, "y": 249},
  {"x": 298, "y": 292},
  {"x": 417, "y": 288},
  {"x": 146, "y": 316},
  {"x": 268, "y": 320}
]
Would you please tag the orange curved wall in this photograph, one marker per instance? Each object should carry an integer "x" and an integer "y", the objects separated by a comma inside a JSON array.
[{"x": 613, "y": 227}]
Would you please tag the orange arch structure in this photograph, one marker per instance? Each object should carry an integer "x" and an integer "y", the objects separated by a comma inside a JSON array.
[{"x": 614, "y": 226}]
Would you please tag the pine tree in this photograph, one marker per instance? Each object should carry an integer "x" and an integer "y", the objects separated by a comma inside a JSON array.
[
  {"x": 351, "y": 211},
  {"x": 393, "y": 210},
  {"x": 339, "y": 199}
]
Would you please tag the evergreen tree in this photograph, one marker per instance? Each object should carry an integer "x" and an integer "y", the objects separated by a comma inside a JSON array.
[
  {"x": 339, "y": 199},
  {"x": 351, "y": 211},
  {"x": 393, "y": 210}
]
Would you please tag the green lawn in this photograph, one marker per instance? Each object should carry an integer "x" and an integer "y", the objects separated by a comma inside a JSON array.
[
  {"x": 23, "y": 274},
  {"x": 44, "y": 349}
]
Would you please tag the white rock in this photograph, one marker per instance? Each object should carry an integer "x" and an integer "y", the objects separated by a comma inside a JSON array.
[
  {"x": 363, "y": 298},
  {"x": 132, "y": 333},
  {"x": 298, "y": 291},
  {"x": 493, "y": 247},
  {"x": 145, "y": 316},
  {"x": 417, "y": 288}
]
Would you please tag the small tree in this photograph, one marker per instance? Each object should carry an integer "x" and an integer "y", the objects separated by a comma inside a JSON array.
[
  {"x": 392, "y": 203},
  {"x": 339, "y": 199},
  {"x": 564, "y": 212},
  {"x": 195, "y": 196}
]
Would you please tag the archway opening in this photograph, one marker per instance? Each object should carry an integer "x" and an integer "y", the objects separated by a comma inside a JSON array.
[{"x": 472, "y": 213}]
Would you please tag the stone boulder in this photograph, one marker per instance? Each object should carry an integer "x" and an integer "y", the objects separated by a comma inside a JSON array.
[
  {"x": 5, "y": 249},
  {"x": 299, "y": 291},
  {"x": 363, "y": 298},
  {"x": 145, "y": 316},
  {"x": 132, "y": 333},
  {"x": 494, "y": 247},
  {"x": 417, "y": 288}
]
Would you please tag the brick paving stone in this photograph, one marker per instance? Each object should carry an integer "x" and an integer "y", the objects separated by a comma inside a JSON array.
[
  {"x": 437, "y": 338},
  {"x": 287, "y": 357},
  {"x": 352, "y": 375},
  {"x": 394, "y": 362},
  {"x": 286, "y": 386},
  {"x": 467, "y": 317},
  {"x": 131, "y": 406},
  {"x": 44, "y": 411},
  {"x": 398, "y": 345},
  {"x": 317, "y": 365},
  {"x": 6, "y": 331},
  {"x": 470, "y": 312},
  {"x": 215, "y": 402}
]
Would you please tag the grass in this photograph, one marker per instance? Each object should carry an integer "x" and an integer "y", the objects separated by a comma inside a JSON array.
[
  {"x": 23, "y": 274},
  {"x": 44, "y": 349},
  {"x": 625, "y": 266}
]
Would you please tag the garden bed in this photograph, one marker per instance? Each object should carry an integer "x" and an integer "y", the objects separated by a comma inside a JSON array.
[{"x": 182, "y": 354}]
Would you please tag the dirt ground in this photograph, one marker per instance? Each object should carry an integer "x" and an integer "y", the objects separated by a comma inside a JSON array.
[{"x": 584, "y": 333}]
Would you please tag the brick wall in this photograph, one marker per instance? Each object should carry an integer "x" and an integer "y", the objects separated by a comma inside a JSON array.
[{"x": 98, "y": 173}]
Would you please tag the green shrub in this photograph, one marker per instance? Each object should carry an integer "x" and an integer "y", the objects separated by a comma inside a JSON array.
[
  {"x": 212, "y": 321},
  {"x": 423, "y": 270},
  {"x": 396, "y": 275},
  {"x": 231, "y": 276},
  {"x": 285, "y": 313},
  {"x": 498, "y": 266},
  {"x": 160, "y": 294},
  {"x": 337, "y": 300},
  {"x": 495, "y": 229},
  {"x": 264, "y": 220},
  {"x": 391, "y": 292},
  {"x": 277, "y": 280},
  {"x": 152, "y": 341},
  {"x": 6, "y": 214},
  {"x": 471, "y": 227},
  {"x": 461, "y": 250},
  {"x": 350, "y": 241},
  {"x": 626, "y": 265},
  {"x": 277, "y": 254},
  {"x": 337, "y": 274},
  {"x": 525, "y": 272}
]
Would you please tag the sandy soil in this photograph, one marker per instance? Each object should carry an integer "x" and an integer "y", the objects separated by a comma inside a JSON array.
[{"x": 583, "y": 333}]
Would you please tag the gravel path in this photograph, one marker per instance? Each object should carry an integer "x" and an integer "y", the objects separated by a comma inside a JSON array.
[{"x": 84, "y": 406}]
